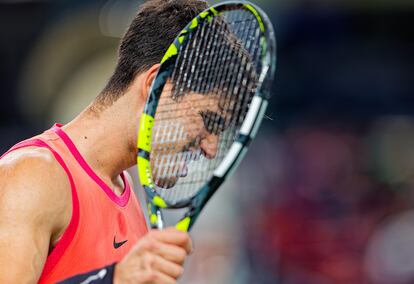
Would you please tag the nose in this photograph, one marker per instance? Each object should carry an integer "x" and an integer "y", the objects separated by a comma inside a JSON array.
[{"x": 209, "y": 146}]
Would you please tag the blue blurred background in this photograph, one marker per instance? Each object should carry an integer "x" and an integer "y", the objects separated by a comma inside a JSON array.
[{"x": 326, "y": 194}]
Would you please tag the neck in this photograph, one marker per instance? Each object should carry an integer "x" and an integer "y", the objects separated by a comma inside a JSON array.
[{"x": 106, "y": 139}]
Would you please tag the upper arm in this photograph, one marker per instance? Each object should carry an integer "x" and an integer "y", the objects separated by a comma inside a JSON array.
[{"x": 33, "y": 206}]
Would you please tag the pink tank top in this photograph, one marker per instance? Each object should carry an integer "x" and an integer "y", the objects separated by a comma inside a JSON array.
[{"x": 103, "y": 227}]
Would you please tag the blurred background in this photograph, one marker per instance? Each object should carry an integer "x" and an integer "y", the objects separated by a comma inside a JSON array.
[{"x": 326, "y": 194}]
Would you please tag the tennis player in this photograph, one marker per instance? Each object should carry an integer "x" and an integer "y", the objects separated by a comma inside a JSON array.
[{"x": 67, "y": 212}]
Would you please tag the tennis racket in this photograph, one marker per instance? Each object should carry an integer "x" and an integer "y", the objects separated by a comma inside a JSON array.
[{"x": 204, "y": 108}]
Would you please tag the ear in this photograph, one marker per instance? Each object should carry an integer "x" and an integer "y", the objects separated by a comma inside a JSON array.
[{"x": 149, "y": 77}]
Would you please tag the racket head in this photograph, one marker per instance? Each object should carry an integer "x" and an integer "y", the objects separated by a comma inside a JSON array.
[{"x": 179, "y": 172}]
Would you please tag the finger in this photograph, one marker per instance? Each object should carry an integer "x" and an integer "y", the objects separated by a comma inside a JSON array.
[
  {"x": 172, "y": 253},
  {"x": 174, "y": 237},
  {"x": 169, "y": 268},
  {"x": 180, "y": 238}
]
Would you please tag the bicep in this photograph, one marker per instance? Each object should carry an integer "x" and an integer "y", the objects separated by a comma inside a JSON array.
[
  {"x": 29, "y": 214},
  {"x": 23, "y": 251}
]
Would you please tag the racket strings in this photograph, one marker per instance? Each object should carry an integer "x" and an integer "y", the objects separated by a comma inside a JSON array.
[
  {"x": 224, "y": 82},
  {"x": 235, "y": 91},
  {"x": 211, "y": 121},
  {"x": 169, "y": 165},
  {"x": 239, "y": 73},
  {"x": 180, "y": 77},
  {"x": 201, "y": 180},
  {"x": 217, "y": 68}
]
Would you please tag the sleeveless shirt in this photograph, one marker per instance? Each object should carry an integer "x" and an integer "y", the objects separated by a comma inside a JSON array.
[{"x": 103, "y": 226}]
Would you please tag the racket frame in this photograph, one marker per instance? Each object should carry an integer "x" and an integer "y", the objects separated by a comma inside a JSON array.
[{"x": 248, "y": 128}]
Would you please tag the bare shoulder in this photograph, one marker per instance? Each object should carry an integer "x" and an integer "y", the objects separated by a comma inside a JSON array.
[
  {"x": 31, "y": 180},
  {"x": 35, "y": 208},
  {"x": 35, "y": 165}
]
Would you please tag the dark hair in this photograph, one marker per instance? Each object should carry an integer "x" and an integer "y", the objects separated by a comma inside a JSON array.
[
  {"x": 226, "y": 57},
  {"x": 152, "y": 30},
  {"x": 227, "y": 67}
]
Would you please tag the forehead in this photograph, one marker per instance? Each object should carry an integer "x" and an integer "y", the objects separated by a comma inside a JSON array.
[
  {"x": 212, "y": 102},
  {"x": 188, "y": 104}
]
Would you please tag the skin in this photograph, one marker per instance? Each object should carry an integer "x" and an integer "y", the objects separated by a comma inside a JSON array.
[
  {"x": 35, "y": 195},
  {"x": 181, "y": 135}
]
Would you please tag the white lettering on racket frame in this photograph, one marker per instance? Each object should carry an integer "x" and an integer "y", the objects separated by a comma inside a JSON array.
[
  {"x": 229, "y": 159},
  {"x": 251, "y": 115}
]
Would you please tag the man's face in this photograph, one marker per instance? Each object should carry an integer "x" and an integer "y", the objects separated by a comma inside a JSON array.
[{"x": 185, "y": 129}]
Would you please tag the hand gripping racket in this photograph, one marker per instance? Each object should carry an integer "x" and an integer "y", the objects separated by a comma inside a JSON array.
[{"x": 204, "y": 108}]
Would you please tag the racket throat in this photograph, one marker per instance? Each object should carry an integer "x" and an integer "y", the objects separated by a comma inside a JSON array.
[{"x": 198, "y": 204}]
